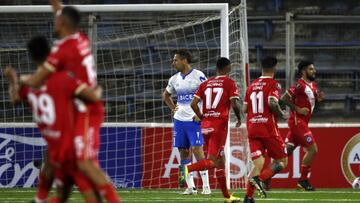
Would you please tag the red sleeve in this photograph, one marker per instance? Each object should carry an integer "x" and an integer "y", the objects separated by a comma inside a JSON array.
[
  {"x": 200, "y": 91},
  {"x": 24, "y": 91},
  {"x": 233, "y": 90},
  {"x": 54, "y": 61},
  {"x": 275, "y": 91},
  {"x": 291, "y": 91}
]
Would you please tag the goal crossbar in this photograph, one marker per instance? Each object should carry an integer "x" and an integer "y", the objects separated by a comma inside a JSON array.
[{"x": 121, "y": 8}]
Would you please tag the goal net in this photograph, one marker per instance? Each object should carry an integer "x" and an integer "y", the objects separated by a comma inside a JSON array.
[{"x": 133, "y": 46}]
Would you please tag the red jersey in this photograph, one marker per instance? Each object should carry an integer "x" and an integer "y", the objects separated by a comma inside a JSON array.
[
  {"x": 216, "y": 94},
  {"x": 303, "y": 94},
  {"x": 260, "y": 121},
  {"x": 54, "y": 110},
  {"x": 73, "y": 54}
]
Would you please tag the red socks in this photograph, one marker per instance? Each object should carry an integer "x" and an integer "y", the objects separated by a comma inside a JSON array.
[
  {"x": 108, "y": 192},
  {"x": 266, "y": 174},
  {"x": 305, "y": 170},
  {"x": 221, "y": 179},
  {"x": 201, "y": 165},
  {"x": 43, "y": 188},
  {"x": 250, "y": 189}
]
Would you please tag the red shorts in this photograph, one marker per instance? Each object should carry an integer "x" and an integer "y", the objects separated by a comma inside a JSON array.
[
  {"x": 299, "y": 134},
  {"x": 87, "y": 135},
  {"x": 215, "y": 133},
  {"x": 60, "y": 151},
  {"x": 274, "y": 146}
]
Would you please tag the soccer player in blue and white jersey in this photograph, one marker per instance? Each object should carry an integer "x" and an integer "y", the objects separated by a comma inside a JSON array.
[{"x": 187, "y": 126}]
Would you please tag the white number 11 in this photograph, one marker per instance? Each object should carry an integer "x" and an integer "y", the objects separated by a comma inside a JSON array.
[{"x": 257, "y": 102}]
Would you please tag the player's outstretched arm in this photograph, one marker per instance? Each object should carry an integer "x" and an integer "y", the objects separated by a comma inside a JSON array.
[
  {"x": 195, "y": 107},
  {"x": 286, "y": 99},
  {"x": 276, "y": 109},
  {"x": 56, "y": 6},
  {"x": 10, "y": 74},
  {"x": 36, "y": 79},
  {"x": 235, "y": 104},
  {"x": 86, "y": 93},
  {"x": 169, "y": 102}
]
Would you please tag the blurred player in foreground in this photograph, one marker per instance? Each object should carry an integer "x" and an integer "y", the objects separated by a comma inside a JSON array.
[
  {"x": 72, "y": 52},
  {"x": 55, "y": 124},
  {"x": 217, "y": 94},
  {"x": 262, "y": 108},
  {"x": 187, "y": 129}
]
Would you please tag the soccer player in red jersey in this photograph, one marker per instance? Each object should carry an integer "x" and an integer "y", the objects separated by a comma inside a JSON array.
[
  {"x": 262, "y": 108},
  {"x": 301, "y": 98},
  {"x": 217, "y": 94},
  {"x": 55, "y": 124},
  {"x": 73, "y": 53}
]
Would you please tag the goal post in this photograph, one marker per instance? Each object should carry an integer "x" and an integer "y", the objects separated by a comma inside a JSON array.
[{"x": 133, "y": 46}]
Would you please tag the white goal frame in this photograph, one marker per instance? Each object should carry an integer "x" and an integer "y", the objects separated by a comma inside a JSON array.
[{"x": 222, "y": 8}]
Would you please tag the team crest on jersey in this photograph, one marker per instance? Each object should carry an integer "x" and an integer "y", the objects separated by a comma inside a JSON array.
[{"x": 298, "y": 86}]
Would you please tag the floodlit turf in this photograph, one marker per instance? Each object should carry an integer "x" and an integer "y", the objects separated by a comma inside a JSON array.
[{"x": 138, "y": 196}]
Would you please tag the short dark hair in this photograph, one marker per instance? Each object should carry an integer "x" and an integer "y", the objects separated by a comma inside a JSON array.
[
  {"x": 303, "y": 64},
  {"x": 38, "y": 48},
  {"x": 268, "y": 62},
  {"x": 72, "y": 14},
  {"x": 222, "y": 63},
  {"x": 184, "y": 55}
]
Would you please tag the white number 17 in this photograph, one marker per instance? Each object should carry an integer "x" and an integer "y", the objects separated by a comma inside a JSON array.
[{"x": 208, "y": 93}]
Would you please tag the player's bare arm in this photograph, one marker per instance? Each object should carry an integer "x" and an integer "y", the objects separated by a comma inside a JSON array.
[
  {"x": 276, "y": 109},
  {"x": 10, "y": 74},
  {"x": 245, "y": 108},
  {"x": 286, "y": 99},
  {"x": 36, "y": 79},
  {"x": 56, "y": 6},
  {"x": 195, "y": 107},
  {"x": 235, "y": 104},
  {"x": 89, "y": 94},
  {"x": 169, "y": 101}
]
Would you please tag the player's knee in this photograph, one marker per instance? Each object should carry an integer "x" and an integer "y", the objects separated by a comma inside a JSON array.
[
  {"x": 198, "y": 152},
  {"x": 84, "y": 166},
  {"x": 284, "y": 162},
  {"x": 313, "y": 149},
  {"x": 259, "y": 161},
  {"x": 184, "y": 153}
]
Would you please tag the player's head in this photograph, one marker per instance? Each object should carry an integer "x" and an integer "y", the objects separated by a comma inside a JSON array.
[
  {"x": 223, "y": 66},
  {"x": 268, "y": 64},
  {"x": 181, "y": 59},
  {"x": 67, "y": 20},
  {"x": 38, "y": 48},
  {"x": 307, "y": 70}
]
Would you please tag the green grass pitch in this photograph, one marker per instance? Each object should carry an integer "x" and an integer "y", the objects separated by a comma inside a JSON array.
[{"x": 166, "y": 195}]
